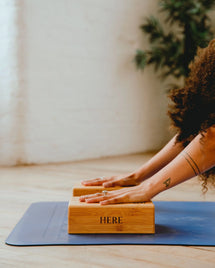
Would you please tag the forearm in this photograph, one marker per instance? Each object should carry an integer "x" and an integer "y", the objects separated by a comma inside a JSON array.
[
  {"x": 196, "y": 158},
  {"x": 161, "y": 159},
  {"x": 145, "y": 171}
]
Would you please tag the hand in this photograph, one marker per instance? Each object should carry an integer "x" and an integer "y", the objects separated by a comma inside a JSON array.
[
  {"x": 134, "y": 194},
  {"x": 119, "y": 180}
]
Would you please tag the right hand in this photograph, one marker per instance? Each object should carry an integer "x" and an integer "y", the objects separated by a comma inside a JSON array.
[{"x": 118, "y": 180}]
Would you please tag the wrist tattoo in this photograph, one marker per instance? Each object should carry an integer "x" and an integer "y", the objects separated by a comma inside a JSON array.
[
  {"x": 167, "y": 182},
  {"x": 192, "y": 163}
]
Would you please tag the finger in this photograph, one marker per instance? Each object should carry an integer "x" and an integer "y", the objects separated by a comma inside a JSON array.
[
  {"x": 101, "y": 197},
  {"x": 110, "y": 184},
  {"x": 120, "y": 191},
  {"x": 114, "y": 182},
  {"x": 110, "y": 193},
  {"x": 94, "y": 182},
  {"x": 123, "y": 181},
  {"x": 115, "y": 200},
  {"x": 84, "y": 197},
  {"x": 95, "y": 199}
]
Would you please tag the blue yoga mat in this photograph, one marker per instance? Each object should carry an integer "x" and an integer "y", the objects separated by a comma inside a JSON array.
[{"x": 177, "y": 223}]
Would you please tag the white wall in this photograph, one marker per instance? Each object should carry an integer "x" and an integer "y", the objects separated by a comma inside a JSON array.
[
  {"x": 10, "y": 146},
  {"x": 79, "y": 94}
]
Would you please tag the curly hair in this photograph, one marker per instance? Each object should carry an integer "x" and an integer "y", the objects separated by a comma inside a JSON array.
[{"x": 193, "y": 108}]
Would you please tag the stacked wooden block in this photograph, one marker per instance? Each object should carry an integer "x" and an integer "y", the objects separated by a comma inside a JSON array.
[{"x": 91, "y": 218}]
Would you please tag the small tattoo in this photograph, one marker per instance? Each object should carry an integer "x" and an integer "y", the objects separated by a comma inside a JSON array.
[
  {"x": 192, "y": 163},
  {"x": 167, "y": 182}
]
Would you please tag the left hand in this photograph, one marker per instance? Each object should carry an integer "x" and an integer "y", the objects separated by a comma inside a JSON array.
[{"x": 133, "y": 194}]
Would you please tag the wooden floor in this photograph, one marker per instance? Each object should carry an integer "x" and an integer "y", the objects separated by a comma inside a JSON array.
[{"x": 20, "y": 186}]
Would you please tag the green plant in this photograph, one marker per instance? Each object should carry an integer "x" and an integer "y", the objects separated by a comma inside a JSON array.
[{"x": 172, "y": 52}]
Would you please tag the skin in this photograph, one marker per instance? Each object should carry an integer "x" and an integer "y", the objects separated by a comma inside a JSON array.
[{"x": 171, "y": 166}]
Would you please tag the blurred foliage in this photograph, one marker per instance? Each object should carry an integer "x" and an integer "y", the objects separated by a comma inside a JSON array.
[{"x": 172, "y": 52}]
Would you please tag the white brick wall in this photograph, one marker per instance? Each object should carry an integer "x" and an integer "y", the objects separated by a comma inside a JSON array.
[
  {"x": 9, "y": 140},
  {"x": 79, "y": 94}
]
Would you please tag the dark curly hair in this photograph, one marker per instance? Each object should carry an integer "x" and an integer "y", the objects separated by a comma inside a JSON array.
[{"x": 193, "y": 108}]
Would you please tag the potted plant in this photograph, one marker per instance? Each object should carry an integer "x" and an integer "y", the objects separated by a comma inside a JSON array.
[{"x": 171, "y": 51}]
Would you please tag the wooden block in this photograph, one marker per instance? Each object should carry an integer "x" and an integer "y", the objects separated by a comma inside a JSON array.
[
  {"x": 80, "y": 189},
  {"x": 88, "y": 218}
]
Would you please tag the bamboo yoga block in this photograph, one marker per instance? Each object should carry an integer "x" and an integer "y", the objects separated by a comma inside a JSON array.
[
  {"x": 80, "y": 189},
  {"x": 88, "y": 218}
]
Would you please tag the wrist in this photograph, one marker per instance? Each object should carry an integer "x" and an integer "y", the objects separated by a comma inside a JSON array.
[
  {"x": 139, "y": 175},
  {"x": 134, "y": 176},
  {"x": 151, "y": 188},
  {"x": 145, "y": 189}
]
